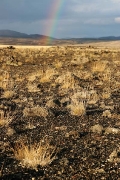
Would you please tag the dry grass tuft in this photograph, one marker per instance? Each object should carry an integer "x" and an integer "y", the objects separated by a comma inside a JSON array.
[
  {"x": 98, "y": 66},
  {"x": 32, "y": 87},
  {"x": 107, "y": 113},
  {"x": 77, "y": 108},
  {"x": 48, "y": 75},
  {"x": 4, "y": 121},
  {"x": 66, "y": 81},
  {"x": 8, "y": 94},
  {"x": 97, "y": 129},
  {"x": 35, "y": 111},
  {"x": 58, "y": 64},
  {"x": 31, "y": 156}
]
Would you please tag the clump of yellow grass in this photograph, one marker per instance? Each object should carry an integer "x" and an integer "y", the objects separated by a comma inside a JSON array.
[{"x": 32, "y": 155}]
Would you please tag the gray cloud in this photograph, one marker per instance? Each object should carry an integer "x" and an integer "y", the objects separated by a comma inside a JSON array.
[
  {"x": 77, "y": 18},
  {"x": 23, "y": 10}
]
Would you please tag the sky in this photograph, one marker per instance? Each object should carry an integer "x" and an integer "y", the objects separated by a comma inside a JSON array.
[{"x": 62, "y": 18}]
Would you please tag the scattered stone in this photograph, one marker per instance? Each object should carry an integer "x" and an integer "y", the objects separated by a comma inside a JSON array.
[
  {"x": 57, "y": 102},
  {"x": 82, "y": 134}
]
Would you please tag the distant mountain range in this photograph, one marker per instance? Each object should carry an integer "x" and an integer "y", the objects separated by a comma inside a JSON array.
[
  {"x": 15, "y": 34},
  {"x": 17, "y": 38},
  {"x": 106, "y": 38}
]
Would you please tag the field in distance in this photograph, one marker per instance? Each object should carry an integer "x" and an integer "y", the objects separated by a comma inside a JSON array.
[{"x": 99, "y": 44}]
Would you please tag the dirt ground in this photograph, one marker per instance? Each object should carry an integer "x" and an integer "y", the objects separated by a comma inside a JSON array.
[{"x": 60, "y": 113}]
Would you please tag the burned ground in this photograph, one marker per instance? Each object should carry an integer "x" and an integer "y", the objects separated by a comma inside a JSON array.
[{"x": 67, "y": 97}]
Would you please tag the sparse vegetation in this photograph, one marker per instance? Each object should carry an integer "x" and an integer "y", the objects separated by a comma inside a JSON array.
[
  {"x": 4, "y": 120},
  {"x": 69, "y": 95},
  {"x": 31, "y": 156},
  {"x": 35, "y": 111}
]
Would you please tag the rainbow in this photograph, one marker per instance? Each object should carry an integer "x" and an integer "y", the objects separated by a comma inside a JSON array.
[{"x": 53, "y": 15}]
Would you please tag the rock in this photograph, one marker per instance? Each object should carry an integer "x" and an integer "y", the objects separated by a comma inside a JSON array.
[{"x": 57, "y": 102}]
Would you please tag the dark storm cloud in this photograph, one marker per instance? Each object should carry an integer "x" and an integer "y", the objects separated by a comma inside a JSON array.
[
  {"x": 77, "y": 18},
  {"x": 24, "y": 10}
]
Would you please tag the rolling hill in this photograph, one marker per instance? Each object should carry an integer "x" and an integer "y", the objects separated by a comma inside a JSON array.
[
  {"x": 15, "y": 34},
  {"x": 18, "y": 38}
]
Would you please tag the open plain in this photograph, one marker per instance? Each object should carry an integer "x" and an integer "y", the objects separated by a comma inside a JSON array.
[{"x": 60, "y": 112}]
